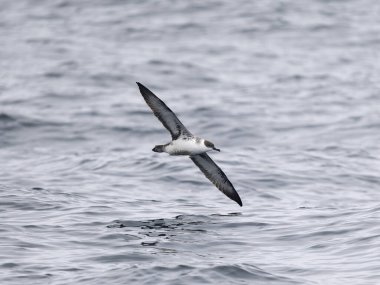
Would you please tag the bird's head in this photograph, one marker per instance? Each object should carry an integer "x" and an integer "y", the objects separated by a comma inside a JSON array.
[
  {"x": 158, "y": 148},
  {"x": 210, "y": 145}
]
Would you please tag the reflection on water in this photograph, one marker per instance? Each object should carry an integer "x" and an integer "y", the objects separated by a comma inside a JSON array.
[{"x": 169, "y": 228}]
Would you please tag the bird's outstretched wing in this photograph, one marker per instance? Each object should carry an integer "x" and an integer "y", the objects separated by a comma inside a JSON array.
[
  {"x": 216, "y": 176},
  {"x": 163, "y": 113}
]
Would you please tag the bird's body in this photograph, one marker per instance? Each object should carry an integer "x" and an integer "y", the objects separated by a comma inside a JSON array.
[
  {"x": 186, "y": 146},
  {"x": 185, "y": 143}
]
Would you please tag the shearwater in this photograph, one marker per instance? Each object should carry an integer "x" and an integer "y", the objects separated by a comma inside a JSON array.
[{"x": 185, "y": 143}]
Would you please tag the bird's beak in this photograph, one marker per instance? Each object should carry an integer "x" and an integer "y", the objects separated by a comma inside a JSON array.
[{"x": 217, "y": 149}]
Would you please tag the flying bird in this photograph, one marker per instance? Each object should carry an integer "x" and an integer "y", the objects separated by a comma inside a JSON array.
[{"x": 185, "y": 143}]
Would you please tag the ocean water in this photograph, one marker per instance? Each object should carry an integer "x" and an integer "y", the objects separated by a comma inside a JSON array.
[{"x": 288, "y": 90}]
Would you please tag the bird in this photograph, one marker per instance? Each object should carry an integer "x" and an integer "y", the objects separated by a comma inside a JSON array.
[{"x": 186, "y": 144}]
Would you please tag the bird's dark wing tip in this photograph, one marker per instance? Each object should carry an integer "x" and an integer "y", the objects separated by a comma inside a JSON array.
[
  {"x": 144, "y": 91},
  {"x": 140, "y": 85},
  {"x": 237, "y": 199}
]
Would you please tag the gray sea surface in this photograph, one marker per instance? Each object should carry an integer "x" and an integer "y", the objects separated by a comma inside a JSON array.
[{"x": 288, "y": 90}]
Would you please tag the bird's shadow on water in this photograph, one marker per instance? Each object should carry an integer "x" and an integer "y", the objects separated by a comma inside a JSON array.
[
  {"x": 169, "y": 229},
  {"x": 194, "y": 233}
]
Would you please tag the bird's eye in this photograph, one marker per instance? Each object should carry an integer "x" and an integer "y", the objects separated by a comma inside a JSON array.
[{"x": 208, "y": 143}]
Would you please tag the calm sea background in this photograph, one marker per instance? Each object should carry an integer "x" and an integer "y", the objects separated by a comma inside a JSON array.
[{"x": 288, "y": 90}]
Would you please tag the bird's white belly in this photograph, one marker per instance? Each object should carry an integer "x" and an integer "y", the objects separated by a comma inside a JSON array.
[{"x": 186, "y": 147}]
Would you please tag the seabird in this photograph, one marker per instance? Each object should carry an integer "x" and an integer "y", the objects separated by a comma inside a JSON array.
[{"x": 185, "y": 143}]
